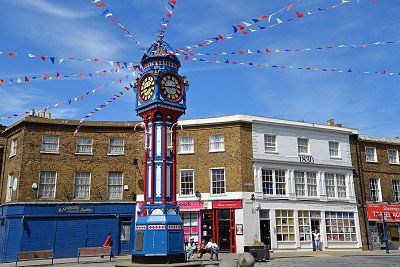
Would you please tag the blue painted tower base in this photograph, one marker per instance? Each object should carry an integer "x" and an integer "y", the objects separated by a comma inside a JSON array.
[{"x": 159, "y": 235}]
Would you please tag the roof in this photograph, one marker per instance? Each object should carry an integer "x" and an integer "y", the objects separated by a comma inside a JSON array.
[
  {"x": 189, "y": 122},
  {"x": 380, "y": 139}
]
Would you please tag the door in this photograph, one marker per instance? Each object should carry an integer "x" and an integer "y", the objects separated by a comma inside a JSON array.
[
  {"x": 125, "y": 235},
  {"x": 315, "y": 226},
  {"x": 70, "y": 235},
  {"x": 224, "y": 236},
  {"x": 265, "y": 232}
]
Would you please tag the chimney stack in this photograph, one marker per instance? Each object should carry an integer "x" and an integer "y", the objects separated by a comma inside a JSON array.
[{"x": 330, "y": 122}]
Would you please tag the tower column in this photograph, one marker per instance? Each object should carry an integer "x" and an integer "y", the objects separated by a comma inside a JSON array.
[
  {"x": 174, "y": 122},
  {"x": 152, "y": 151},
  {"x": 145, "y": 175},
  {"x": 164, "y": 159}
]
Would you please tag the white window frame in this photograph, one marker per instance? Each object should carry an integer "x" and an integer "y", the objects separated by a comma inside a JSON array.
[
  {"x": 211, "y": 149},
  {"x": 336, "y": 185},
  {"x": 275, "y": 145},
  {"x": 396, "y": 190},
  {"x": 396, "y": 157},
  {"x": 13, "y": 147},
  {"x": 211, "y": 181},
  {"x": 83, "y": 153},
  {"x": 180, "y": 182},
  {"x": 298, "y": 146},
  {"x": 274, "y": 182},
  {"x": 306, "y": 184},
  {"x": 90, "y": 185},
  {"x": 55, "y": 186},
  {"x": 338, "y": 156},
  {"x": 108, "y": 186},
  {"x": 181, "y": 144},
  {"x": 378, "y": 189},
  {"x": 366, "y": 154},
  {"x": 10, "y": 181},
  {"x": 57, "y": 151},
  {"x": 109, "y": 147}
]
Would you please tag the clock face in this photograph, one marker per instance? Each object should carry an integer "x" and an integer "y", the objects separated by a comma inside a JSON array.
[
  {"x": 147, "y": 88},
  {"x": 171, "y": 87}
]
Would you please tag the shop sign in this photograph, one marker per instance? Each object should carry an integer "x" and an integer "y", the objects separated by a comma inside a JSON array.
[
  {"x": 227, "y": 204},
  {"x": 190, "y": 205},
  {"x": 75, "y": 209},
  {"x": 306, "y": 159},
  {"x": 391, "y": 212}
]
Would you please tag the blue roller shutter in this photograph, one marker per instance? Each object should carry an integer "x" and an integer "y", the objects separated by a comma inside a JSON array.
[
  {"x": 99, "y": 227},
  {"x": 13, "y": 239},
  {"x": 70, "y": 235},
  {"x": 2, "y": 238},
  {"x": 38, "y": 234}
]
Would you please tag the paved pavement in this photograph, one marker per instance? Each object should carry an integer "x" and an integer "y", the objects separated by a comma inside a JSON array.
[{"x": 297, "y": 259}]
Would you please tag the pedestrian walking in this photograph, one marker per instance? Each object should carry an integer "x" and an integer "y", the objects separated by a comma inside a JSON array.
[
  {"x": 317, "y": 240},
  {"x": 108, "y": 244}
]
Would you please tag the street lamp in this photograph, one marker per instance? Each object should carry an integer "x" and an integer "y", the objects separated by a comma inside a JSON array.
[{"x": 385, "y": 234}]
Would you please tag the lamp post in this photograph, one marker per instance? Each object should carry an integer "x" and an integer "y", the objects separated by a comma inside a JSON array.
[{"x": 385, "y": 234}]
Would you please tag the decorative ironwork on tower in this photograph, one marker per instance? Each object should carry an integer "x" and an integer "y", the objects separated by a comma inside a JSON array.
[{"x": 161, "y": 100}]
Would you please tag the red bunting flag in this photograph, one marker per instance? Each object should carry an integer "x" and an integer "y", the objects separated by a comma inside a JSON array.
[
  {"x": 83, "y": 75},
  {"x": 299, "y": 14},
  {"x": 172, "y": 2},
  {"x": 81, "y": 97},
  {"x": 104, "y": 71},
  {"x": 289, "y": 7},
  {"x": 43, "y": 58},
  {"x": 26, "y": 79},
  {"x": 1, "y": 82},
  {"x": 101, "y": 5},
  {"x": 10, "y": 54},
  {"x": 58, "y": 75},
  {"x": 267, "y": 51},
  {"x": 186, "y": 57},
  {"x": 240, "y": 26},
  {"x": 241, "y": 52}
]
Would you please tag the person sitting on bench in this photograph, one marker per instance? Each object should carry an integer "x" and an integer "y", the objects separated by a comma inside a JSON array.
[{"x": 213, "y": 248}]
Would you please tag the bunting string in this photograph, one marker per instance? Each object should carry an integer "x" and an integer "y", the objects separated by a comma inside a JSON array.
[
  {"x": 100, "y": 107},
  {"x": 58, "y": 75},
  {"x": 170, "y": 8},
  {"x": 115, "y": 21},
  {"x": 282, "y": 50},
  {"x": 71, "y": 100},
  {"x": 298, "y": 15},
  {"x": 54, "y": 59},
  {"x": 305, "y": 68}
]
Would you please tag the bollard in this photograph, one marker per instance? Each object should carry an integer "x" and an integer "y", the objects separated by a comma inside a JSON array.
[{"x": 246, "y": 260}]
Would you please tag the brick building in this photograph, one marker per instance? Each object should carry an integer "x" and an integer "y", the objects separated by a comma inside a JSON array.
[
  {"x": 73, "y": 188},
  {"x": 377, "y": 186}
]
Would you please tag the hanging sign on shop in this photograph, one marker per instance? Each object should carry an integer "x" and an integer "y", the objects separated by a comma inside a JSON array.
[{"x": 391, "y": 212}]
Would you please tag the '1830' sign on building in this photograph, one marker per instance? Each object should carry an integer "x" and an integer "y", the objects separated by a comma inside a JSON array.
[{"x": 75, "y": 209}]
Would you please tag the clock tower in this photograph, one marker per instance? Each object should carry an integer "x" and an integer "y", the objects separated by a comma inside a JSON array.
[{"x": 160, "y": 101}]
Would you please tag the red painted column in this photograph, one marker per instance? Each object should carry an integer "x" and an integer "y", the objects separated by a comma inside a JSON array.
[
  {"x": 152, "y": 140},
  {"x": 145, "y": 161},
  {"x": 173, "y": 190},
  {"x": 164, "y": 160}
]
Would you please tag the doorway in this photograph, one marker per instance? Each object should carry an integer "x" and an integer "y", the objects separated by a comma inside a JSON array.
[
  {"x": 315, "y": 226},
  {"x": 265, "y": 228},
  {"x": 224, "y": 230}
]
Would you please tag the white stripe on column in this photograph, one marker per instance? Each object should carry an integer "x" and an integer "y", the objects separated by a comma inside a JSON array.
[
  {"x": 149, "y": 182},
  {"x": 168, "y": 181},
  {"x": 158, "y": 140},
  {"x": 158, "y": 181}
]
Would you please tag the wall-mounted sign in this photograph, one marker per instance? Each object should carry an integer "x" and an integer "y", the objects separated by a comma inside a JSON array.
[
  {"x": 227, "y": 204},
  {"x": 376, "y": 211},
  {"x": 239, "y": 229},
  {"x": 190, "y": 205},
  {"x": 248, "y": 184},
  {"x": 75, "y": 209},
  {"x": 306, "y": 159}
]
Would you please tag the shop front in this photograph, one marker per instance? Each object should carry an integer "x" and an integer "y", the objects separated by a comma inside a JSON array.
[
  {"x": 219, "y": 224},
  {"x": 64, "y": 228},
  {"x": 384, "y": 216},
  {"x": 191, "y": 217}
]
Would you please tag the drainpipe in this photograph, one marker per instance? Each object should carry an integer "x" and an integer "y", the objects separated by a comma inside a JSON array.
[{"x": 363, "y": 196}]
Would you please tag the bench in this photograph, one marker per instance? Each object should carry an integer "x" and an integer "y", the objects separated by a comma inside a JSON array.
[
  {"x": 94, "y": 252},
  {"x": 35, "y": 255}
]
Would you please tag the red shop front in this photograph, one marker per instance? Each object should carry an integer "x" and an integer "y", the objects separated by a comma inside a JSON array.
[
  {"x": 219, "y": 223},
  {"x": 391, "y": 213}
]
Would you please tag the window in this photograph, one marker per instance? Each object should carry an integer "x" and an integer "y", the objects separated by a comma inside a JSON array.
[
  {"x": 125, "y": 232},
  {"x": 217, "y": 142},
  {"x": 396, "y": 190},
  {"x": 187, "y": 182},
  {"x": 334, "y": 149},
  {"x": 370, "y": 154},
  {"x": 115, "y": 185},
  {"x": 10, "y": 184},
  {"x": 305, "y": 183},
  {"x": 273, "y": 181},
  {"x": 47, "y": 185},
  {"x": 50, "y": 144},
  {"x": 304, "y": 225},
  {"x": 116, "y": 146},
  {"x": 374, "y": 188},
  {"x": 340, "y": 226},
  {"x": 190, "y": 226},
  {"x": 302, "y": 144},
  {"x": 217, "y": 181},
  {"x": 82, "y": 185},
  {"x": 14, "y": 145},
  {"x": 335, "y": 185},
  {"x": 186, "y": 144},
  {"x": 84, "y": 146},
  {"x": 284, "y": 225},
  {"x": 270, "y": 142},
  {"x": 393, "y": 156}
]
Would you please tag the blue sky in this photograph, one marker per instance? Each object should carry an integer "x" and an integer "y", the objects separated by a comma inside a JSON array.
[{"x": 75, "y": 28}]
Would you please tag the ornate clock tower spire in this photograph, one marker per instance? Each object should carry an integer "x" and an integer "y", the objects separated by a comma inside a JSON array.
[{"x": 160, "y": 101}]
